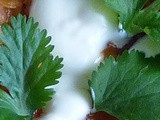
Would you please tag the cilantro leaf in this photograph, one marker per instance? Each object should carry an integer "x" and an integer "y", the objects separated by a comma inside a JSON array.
[
  {"x": 126, "y": 9},
  {"x": 7, "y": 108},
  {"x": 27, "y": 68},
  {"x": 135, "y": 18},
  {"x": 128, "y": 88},
  {"x": 148, "y": 20}
]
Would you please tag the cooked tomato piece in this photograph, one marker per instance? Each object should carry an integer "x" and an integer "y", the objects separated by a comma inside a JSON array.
[
  {"x": 111, "y": 50},
  {"x": 38, "y": 113},
  {"x": 26, "y": 7}
]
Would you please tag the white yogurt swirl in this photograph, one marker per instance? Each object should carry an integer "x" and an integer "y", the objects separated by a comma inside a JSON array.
[{"x": 79, "y": 35}]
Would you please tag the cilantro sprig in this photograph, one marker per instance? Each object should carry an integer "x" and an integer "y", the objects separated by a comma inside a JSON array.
[
  {"x": 136, "y": 18},
  {"x": 27, "y": 68},
  {"x": 128, "y": 88}
]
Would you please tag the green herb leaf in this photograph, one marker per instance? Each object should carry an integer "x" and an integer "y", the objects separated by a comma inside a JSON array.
[
  {"x": 135, "y": 18},
  {"x": 128, "y": 88},
  {"x": 148, "y": 20},
  {"x": 27, "y": 68}
]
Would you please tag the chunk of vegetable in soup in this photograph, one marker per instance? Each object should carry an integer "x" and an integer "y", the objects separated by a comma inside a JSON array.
[{"x": 9, "y": 8}]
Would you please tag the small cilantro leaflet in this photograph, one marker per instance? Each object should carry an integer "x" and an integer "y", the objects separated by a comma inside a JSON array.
[
  {"x": 128, "y": 88},
  {"x": 135, "y": 18},
  {"x": 27, "y": 68},
  {"x": 148, "y": 20}
]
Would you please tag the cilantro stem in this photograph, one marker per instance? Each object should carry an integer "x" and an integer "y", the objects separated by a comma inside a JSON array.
[
  {"x": 148, "y": 3},
  {"x": 131, "y": 42}
]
